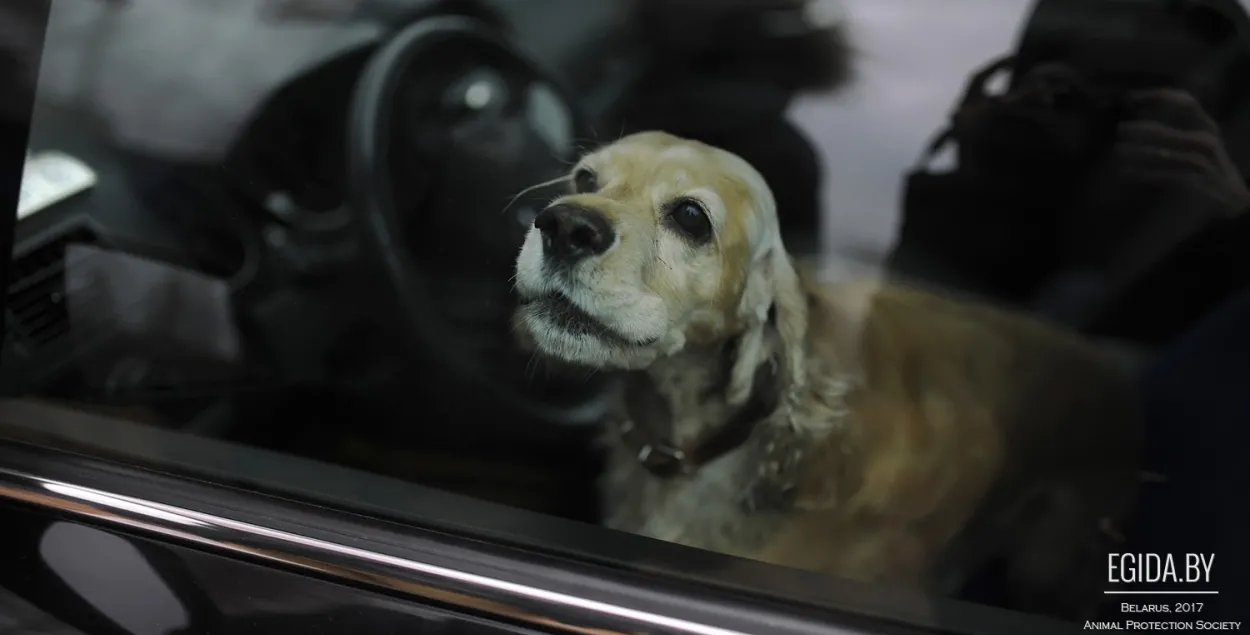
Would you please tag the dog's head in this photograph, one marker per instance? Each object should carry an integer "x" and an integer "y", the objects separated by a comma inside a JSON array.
[{"x": 664, "y": 243}]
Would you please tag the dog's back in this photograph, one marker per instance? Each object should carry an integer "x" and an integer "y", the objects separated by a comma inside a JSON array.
[{"x": 977, "y": 436}]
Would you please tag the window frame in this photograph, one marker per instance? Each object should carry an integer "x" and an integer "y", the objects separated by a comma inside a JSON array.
[
  {"x": 407, "y": 523},
  {"x": 21, "y": 44}
]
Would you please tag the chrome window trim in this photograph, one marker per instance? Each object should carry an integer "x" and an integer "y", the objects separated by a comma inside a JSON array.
[{"x": 498, "y": 594}]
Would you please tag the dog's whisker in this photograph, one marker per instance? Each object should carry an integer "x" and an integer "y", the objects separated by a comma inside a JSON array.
[
  {"x": 531, "y": 366},
  {"x": 585, "y": 147},
  {"x": 559, "y": 179}
]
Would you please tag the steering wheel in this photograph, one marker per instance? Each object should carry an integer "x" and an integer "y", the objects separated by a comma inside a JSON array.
[{"x": 448, "y": 112}]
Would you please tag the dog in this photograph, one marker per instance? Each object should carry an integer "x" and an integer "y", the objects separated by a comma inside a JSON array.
[{"x": 867, "y": 430}]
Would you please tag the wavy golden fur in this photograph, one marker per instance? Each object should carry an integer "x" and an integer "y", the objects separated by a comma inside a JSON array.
[{"x": 908, "y": 438}]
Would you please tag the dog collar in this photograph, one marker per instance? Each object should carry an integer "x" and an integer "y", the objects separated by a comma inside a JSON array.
[
  {"x": 659, "y": 456},
  {"x": 663, "y": 458}
]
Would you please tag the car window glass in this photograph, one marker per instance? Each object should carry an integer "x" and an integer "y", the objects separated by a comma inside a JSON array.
[{"x": 945, "y": 299}]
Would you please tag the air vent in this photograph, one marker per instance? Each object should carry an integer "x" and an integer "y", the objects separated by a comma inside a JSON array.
[{"x": 37, "y": 314}]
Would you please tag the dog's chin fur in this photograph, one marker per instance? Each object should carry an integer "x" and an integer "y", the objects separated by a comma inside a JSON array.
[{"x": 545, "y": 336}]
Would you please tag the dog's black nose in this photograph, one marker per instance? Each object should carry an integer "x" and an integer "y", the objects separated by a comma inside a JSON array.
[{"x": 571, "y": 233}]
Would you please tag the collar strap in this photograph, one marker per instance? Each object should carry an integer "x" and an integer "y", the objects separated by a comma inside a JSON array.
[{"x": 664, "y": 459}]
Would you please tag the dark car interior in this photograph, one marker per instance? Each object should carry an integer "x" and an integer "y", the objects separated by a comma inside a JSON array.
[
  {"x": 360, "y": 194},
  {"x": 340, "y": 275}
]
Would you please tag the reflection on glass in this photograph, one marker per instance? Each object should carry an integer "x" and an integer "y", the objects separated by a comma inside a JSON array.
[
  {"x": 863, "y": 288},
  {"x": 18, "y": 616},
  {"x": 136, "y": 599}
]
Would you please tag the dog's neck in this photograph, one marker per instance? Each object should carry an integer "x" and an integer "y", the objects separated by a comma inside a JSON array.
[
  {"x": 675, "y": 415},
  {"x": 680, "y": 402}
]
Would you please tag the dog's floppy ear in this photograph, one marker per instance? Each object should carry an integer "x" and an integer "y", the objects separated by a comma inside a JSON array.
[{"x": 772, "y": 286}]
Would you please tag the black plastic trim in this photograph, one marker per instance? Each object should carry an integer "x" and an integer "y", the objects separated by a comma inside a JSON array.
[{"x": 21, "y": 51}]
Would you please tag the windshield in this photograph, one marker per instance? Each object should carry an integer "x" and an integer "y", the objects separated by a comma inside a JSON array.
[{"x": 946, "y": 299}]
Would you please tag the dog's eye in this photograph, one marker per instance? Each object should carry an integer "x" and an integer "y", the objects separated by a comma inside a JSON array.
[
  {"x": 585, "y": 181},
  {"x": 691, "y": 220}
]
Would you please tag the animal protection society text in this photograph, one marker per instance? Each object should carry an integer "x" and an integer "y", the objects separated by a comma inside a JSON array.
[{"x": 1161, "y": 593}]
